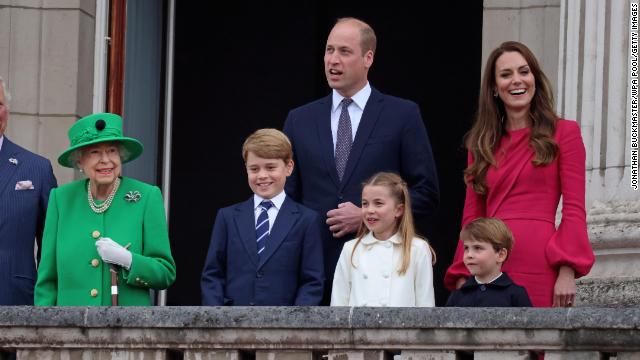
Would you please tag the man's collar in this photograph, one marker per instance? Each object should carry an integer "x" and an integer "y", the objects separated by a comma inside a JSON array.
[{"x": 360, "y": 98}]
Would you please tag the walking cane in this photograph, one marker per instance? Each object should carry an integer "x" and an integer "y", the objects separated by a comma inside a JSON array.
[
  {"x": 114, "y": 284},
  {"x": 113, "y": 269}
]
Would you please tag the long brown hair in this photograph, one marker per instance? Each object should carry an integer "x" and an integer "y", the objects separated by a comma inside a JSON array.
[
  {"x": 488, "y": 127},
  {"x": 406, "y": 228}
]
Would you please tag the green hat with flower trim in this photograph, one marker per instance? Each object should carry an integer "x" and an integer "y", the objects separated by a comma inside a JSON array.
[{"x": 97, "y": 128}]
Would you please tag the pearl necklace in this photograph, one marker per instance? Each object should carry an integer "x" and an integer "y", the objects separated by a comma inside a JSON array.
[{"x": 99, "y": 209}]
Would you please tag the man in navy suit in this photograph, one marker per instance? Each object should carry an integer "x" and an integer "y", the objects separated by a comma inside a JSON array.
[
  {"x": 25, "y": 182},
  {"x": 265, "y": 251},
  {"x": 383, "y": 133}
]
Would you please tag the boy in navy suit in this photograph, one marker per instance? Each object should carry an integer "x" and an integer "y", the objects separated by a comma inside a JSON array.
[
  {"x": 487, "y": 244},
  {"x": 267, "y": 250}
]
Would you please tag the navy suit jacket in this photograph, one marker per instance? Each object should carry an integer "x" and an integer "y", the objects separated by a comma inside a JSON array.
[
  {"x": 502, "y": 292},
  {"x": 22, "y": 215},
  {"x": 391, "y": 137},
  {"x": 289, "y": 271}
]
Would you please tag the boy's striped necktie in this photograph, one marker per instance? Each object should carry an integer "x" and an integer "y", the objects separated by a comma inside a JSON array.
[{"x": 262, "y": 226}]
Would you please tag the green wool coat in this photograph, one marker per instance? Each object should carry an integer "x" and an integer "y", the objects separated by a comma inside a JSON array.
[{"x": 71, "y": 273}]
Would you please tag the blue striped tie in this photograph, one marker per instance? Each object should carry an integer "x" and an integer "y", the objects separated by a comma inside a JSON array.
[{"x": 262, "y": 226}]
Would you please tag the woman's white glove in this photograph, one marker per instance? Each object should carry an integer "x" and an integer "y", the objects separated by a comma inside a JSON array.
[{"x": 113, "y": 253}]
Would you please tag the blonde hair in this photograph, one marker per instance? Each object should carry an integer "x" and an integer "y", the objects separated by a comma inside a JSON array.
[
  {"x": 268, "y": 144},
  {"x": 406, "y": 229},
  {"x": 489, "y": 230}
]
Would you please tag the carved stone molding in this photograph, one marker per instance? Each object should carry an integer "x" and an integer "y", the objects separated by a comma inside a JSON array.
[
  {"x": 614, "y": 225},
  {"x": 613, "y": 292}
]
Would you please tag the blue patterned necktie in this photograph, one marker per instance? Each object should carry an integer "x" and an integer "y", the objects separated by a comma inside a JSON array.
[
  {"x": 262, "y": 226},
  {"x": 344, "y": 138}
]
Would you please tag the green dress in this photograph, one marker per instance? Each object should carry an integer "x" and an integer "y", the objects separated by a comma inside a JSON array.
[{"x": 71, "y": 273}]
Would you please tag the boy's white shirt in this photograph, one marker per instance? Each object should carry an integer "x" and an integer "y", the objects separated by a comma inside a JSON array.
[
  {"x": 375, "y": 280},
  {"x": 488, "y": 282}
]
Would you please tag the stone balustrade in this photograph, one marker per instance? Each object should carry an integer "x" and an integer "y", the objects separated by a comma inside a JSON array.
[{"x": 288, "y": 333}]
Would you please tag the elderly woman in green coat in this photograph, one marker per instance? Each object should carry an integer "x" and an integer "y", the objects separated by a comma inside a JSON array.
[{"x": 103, "y": 222}]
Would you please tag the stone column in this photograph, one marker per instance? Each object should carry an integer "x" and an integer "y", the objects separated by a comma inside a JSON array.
[
  {"x": 46, "y": 57},
  {"x": 534, "y": 23},
  {"x": 593, "y": 87}
]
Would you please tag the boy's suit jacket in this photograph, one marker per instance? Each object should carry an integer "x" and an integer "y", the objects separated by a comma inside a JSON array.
[
  {"x": 22, "y": 214},
  {"x": 391, "y": 137},
  {"x": 502, "y": 292},
  {"x": 289, "y": 271}
]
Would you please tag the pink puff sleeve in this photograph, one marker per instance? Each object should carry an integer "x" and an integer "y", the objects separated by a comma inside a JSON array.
[
  {"x": 570, "y": 244},
  {"x": 474, "y": 207}
]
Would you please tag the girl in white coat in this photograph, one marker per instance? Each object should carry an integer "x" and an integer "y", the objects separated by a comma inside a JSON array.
[{"x": 386, "y": 264}]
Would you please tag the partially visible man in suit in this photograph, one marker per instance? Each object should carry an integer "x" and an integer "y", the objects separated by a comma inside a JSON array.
[
  {"x": 342, "y": 139},
  {"x": 25, "y": 182}
]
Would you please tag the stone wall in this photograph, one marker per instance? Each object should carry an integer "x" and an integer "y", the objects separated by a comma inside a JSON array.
[
  {"x": 46, "y": 57},
  {"x": 282, "y": 333},
  {"x": 535, "y": 23}
]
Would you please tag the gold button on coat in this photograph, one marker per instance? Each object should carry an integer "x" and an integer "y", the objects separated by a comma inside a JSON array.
[
  {"x": 95, "y": 234},
  {"x": 94, "y": 292},
  {"x": 95, "y": 262}
]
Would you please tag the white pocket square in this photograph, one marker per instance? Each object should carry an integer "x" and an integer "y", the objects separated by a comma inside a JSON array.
[{"x": 24, "y": 185}]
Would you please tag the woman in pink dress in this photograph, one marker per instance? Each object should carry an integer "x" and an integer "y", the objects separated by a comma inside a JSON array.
[{"x": 522, "y": 158}]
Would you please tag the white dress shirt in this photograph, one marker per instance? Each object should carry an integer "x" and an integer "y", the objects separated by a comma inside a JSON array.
[
  {"x": 374, "y": 281},
  {"x": 488, "y": 282},
  {"x": 272, "y": 212},
  {"x": 355, "y": 111}
]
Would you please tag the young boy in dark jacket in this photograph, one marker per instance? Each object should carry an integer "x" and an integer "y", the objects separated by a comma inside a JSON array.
[{"x": 487, "y": 244}]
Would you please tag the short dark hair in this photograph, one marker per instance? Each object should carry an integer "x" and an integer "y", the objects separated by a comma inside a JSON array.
[{"x": 368, "y": 40}]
